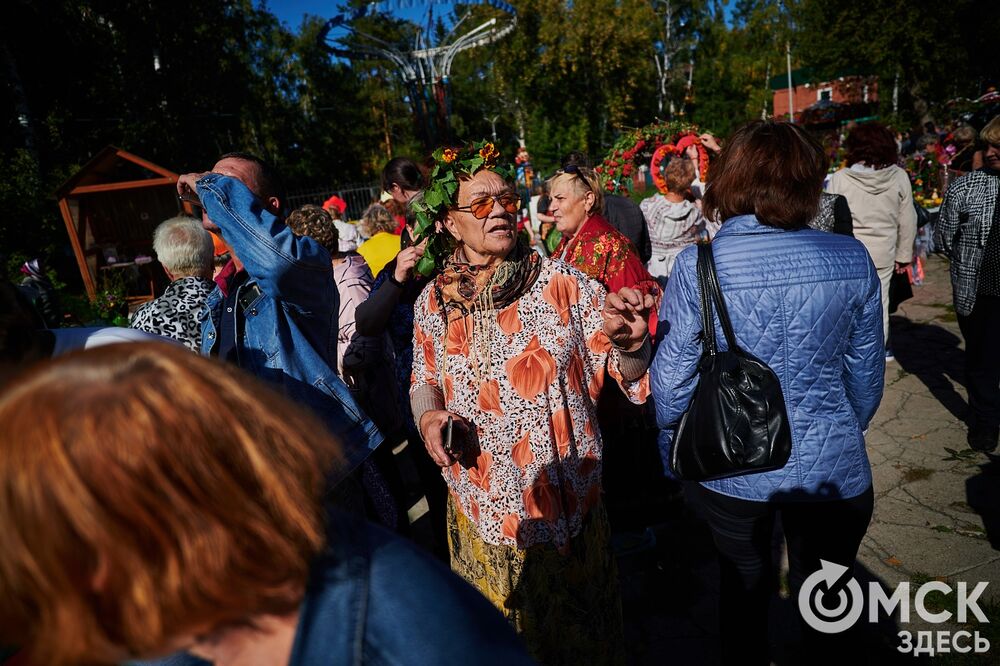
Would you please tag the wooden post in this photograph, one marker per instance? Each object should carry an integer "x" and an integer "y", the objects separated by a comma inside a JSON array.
[
  {"x": 791, "y": 92},
  {"x": 74, "y": 239}
]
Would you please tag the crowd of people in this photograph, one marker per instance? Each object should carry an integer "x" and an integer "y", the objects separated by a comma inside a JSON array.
[{"x": 297, "y": 445}]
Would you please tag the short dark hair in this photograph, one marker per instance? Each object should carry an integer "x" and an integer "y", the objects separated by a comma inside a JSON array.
[
  {"x": 773, "y": 170},
  {"x": 404, "y": 172},
  {"x": 20, "y": 322},
  {"x": 873, "y": 144},
  {"x": 269, "y": 181},
  {"x": 576, "y": 158}
]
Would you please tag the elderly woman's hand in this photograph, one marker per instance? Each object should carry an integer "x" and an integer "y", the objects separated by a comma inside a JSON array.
[
  {"x": 626, "y": 318},
  {"x": 406, "y": 260},
  {"x": 433, "y": 425}
]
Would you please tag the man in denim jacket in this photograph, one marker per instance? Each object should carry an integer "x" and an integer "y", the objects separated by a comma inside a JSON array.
[{"x": 274, "y": 309}]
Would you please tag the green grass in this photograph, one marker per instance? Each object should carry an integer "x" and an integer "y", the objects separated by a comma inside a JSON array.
[
  {"x": 960, "y": 456},
  {"x": 936, "y": 602},
  {"x": 949, "y": 311}
]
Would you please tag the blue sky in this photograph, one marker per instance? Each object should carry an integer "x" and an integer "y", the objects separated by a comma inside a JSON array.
[{"x": 290, "y": 12}]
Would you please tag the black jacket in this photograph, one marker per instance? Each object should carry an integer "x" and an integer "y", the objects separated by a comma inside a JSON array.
[
  {"x": 43, "y": 296},
  {"x": 625, "y": 216}
]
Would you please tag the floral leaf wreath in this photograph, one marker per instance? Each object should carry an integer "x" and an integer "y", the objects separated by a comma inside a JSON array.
[{"x": 441, "y": 195}]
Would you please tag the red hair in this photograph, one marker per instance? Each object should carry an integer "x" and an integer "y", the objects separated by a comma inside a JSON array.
[{"x": 149, "y": 494}]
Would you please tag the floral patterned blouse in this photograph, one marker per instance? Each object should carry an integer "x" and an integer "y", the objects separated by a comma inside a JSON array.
[
  {"x": 605, "y": 254},
  {"x": 532, "y": 468}
]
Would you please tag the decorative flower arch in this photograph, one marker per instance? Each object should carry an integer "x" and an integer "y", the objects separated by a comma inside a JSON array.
[{"x": 652, "y": 142}]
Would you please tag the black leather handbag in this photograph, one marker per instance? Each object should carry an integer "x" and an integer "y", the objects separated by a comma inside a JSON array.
[{"x": 736, "y": 422}]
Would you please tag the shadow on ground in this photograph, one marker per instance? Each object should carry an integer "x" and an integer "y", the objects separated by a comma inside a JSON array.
[
  {"x": 670, "y": 590},
  {"x": 982, "y": 493},
  {"x": 932, "y": 354}
]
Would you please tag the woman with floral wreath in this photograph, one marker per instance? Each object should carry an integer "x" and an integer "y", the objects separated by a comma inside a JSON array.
[
  {"x": 674, "y": 220},
  {"x": 510, "y": 352}
]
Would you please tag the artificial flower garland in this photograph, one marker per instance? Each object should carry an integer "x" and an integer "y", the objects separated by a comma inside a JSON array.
[
  {"x": 660, "y": 154},
  {"x": 618, "y": 167},
  {"x": 441, "y": 195}
]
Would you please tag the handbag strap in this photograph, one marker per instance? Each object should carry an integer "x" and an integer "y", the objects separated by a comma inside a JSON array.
[
  {"x": 707, "y": 258},
  {"x": 705, "y": 293}
]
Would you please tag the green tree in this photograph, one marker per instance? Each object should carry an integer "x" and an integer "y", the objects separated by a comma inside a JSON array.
[
  {"x": 938, "y": 50},
  {"x": 736, "y": 62},
  {"x": 176, "y": 84}
]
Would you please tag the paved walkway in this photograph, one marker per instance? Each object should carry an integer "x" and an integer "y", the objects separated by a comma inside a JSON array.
[{"x": 937, "y": 511}]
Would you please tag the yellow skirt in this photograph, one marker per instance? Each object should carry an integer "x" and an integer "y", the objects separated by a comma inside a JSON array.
[{"x": 567, "y": 608}]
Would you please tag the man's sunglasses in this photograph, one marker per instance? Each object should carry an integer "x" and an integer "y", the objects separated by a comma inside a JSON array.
[{"x": 483, "y": 206}]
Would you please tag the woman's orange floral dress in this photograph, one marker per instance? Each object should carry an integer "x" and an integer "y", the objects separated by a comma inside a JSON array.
[{"x": 532, "y": 466}]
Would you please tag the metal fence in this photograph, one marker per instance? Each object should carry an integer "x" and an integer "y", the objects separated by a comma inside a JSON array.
[{"x": 358, "y": 197}]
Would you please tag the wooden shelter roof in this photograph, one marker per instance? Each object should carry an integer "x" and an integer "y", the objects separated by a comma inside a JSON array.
[
  {"x": 111, "y": 207},
  {"x": 115, "y": 169}
]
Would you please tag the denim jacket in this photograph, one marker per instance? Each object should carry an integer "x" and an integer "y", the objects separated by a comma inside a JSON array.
[
  {"x": 290, "y": 332},
  {"x": 808, "y": 304},
  {"x": 375, "y": 599}
]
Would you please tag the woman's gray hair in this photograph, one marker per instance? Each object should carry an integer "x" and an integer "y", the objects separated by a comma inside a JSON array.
[{"x": 184, "y": 247}]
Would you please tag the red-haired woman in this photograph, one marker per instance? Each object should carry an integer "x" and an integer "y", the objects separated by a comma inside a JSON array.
[
  {"x": 881, "y": 201},
  {"x": 155, "y": 501}
]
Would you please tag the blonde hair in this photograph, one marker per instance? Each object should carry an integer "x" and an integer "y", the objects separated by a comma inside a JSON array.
[
  {"x": 377, "y": 219},
  {"x": 584, "y": 180},
  {"x": 150, "y": 494},
  {"x": 991, "y": 133}
]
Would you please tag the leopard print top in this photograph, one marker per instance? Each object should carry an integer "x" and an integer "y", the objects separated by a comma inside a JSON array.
[{"x": 177, "y": 313}]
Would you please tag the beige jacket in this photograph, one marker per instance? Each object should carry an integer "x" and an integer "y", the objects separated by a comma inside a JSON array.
[{"x": 881, "y": 202}]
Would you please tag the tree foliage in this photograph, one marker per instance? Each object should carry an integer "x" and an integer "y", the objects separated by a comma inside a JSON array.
[
  {"x": 179, "y": 83},
  {"x": 940, "y": 50}
]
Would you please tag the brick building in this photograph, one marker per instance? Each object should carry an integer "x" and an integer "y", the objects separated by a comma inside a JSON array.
[{"x": 808, "y": 88}]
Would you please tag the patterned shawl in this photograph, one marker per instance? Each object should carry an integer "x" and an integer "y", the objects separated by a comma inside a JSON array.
[{"x": 462, "y": 289}]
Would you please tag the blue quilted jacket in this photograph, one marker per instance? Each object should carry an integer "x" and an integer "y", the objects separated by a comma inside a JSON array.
[{"x": 807, "y": 303}]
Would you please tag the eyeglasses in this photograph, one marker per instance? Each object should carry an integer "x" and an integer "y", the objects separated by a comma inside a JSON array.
[{"x": 481, "y": 207}]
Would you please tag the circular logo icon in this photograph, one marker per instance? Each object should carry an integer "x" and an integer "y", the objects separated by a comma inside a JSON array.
[{"x": 848, "y": 603}]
